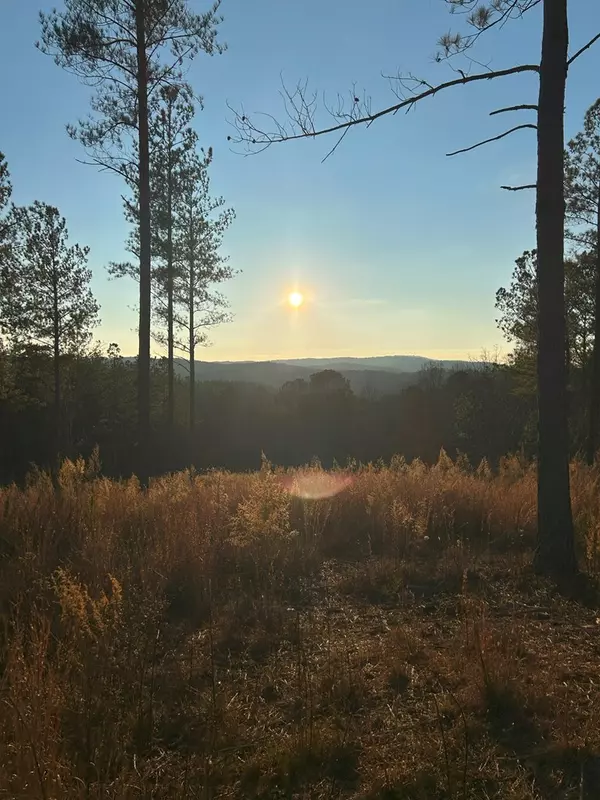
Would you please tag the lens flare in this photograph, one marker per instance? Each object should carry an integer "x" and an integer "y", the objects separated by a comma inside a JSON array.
[{"x": 315, "y": 484}]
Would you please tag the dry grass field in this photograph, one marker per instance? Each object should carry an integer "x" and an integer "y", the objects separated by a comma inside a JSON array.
[{"x": 242, "y": 636}]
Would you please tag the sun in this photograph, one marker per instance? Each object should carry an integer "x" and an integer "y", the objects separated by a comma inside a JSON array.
[{"x": 295, "y": 299}]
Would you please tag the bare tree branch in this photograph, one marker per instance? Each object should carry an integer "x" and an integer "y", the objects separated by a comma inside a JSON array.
[
  {"x": 523, "y": 107},
  {"x": 104, "y": 167},
  {"x": 587, "y": 46},
  {"x": 303, "y": 111},
  {"x": 519, "y": 188},
  {"x": 335, "y": 146},
  {"x": 493, "y": 139}
]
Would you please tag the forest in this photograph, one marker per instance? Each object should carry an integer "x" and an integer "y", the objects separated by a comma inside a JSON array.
[{"x": 221, "y": 588}]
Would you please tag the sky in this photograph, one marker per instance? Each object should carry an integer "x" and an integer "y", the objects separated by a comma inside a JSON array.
[{"x": 397, "y": 248}]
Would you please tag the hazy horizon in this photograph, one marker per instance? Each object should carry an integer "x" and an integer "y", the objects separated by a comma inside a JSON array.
[{"x": 201, "y": 356}]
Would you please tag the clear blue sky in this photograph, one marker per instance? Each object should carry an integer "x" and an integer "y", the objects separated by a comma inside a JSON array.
[{"x": 398, "y": 248}]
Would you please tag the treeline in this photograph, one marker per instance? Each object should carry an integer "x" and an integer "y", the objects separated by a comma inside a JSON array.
[{"x": 477, "y": 412}]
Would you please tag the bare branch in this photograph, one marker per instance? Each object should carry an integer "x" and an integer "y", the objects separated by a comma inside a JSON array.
[
  {"x": 182, "y": 363},
  {"x": 523, "y": 107},
  {"x": 493, "y": 139},
  {"x": 335, "y": 146},
  {"x": 103, "y": 166},
  {"x": 519, "y": 188},
  {"x": 582, "y": 50},
  {"x": 304, "y": 121}
]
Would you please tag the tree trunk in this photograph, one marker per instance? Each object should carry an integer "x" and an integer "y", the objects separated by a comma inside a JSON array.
[
  {"x": 145, "y": 226},
  {"x": 192, "y": 344},
  {"x": 595, "y": 387},
  {"x": 170, "y": 285},
  {"x": 56, "y": 367},
  {"x": 555, "y": 552}
]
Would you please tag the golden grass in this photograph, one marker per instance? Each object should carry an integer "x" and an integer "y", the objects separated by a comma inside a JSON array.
[{"x": 215, "y": 636}]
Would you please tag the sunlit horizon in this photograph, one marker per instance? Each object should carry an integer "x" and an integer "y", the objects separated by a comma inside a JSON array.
[{"x": 215, "y": 355}]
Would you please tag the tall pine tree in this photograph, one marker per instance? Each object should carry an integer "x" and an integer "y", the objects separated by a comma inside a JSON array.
[
  {"x": 200, "y": 225},
  {"x": 127, "y": 50},
  {"x": 172, "y": 142},
  {"x": 582, "y": 188}
]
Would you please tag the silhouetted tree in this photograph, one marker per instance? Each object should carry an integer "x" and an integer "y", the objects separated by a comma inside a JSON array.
[
  {"x": 555, "y": 552},
  {"x": 127, "y": 49},
  {"x": 45, "y": 296},
  {"x": 171, "y": 139},
  {"x": 518, "y": 308},
  {"x": 582, "y": 187},
  {"x": 200, "y": 226},
  {"x": 330, "y": 382}
]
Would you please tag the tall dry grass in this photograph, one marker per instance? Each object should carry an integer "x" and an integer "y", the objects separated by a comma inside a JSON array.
[{"x": 147, "y": 637}]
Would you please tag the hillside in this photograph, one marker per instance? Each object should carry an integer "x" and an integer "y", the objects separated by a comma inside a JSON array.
[
  {"x": 383, "y": 374},
  {"x": 387, "y": 363}
]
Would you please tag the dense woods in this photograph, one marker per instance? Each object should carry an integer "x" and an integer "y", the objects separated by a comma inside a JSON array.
[{"x": 481, "y": 413}]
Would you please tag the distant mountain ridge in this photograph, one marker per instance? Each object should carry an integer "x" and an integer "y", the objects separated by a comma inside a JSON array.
[
  {"x": 387, "y": 363},
  {"x": 382, "y": 374}
]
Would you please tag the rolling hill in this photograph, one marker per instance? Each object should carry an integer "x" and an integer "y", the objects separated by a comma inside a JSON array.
[{"x": 381, "y": 374}]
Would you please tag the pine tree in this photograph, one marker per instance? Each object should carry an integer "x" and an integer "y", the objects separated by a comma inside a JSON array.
[
  {"x": 200, "y": 226},
  {"x": 45, "y": 295},
  {"x": 127, "y": 50},
  {"x": 186, "y": 237},
  {"x": 517, "y": 305},
  {"x": 555, "y": 552},
  {"x": 582, "y": 189},
  {"x": 172, "y": 140}
]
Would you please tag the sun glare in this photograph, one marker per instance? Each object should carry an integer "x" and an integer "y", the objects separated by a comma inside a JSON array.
[{"x": 295, "y": 299}]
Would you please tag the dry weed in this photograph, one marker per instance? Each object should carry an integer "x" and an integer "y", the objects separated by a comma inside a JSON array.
[{"x": 215, "y": 635}]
